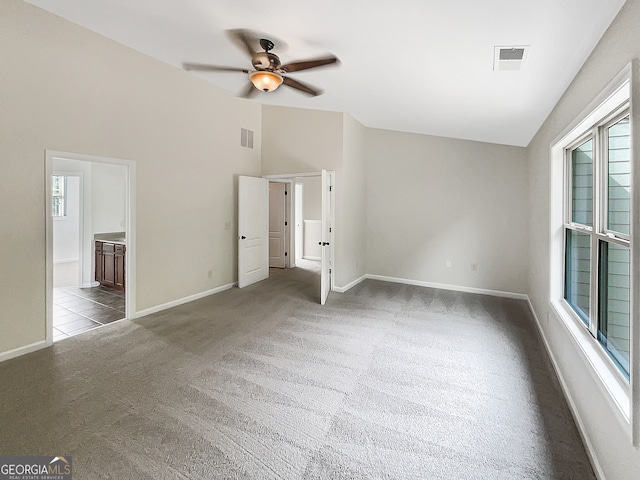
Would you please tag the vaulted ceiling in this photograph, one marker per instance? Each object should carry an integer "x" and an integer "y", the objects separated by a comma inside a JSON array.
[{"x": 418, "y": 66}]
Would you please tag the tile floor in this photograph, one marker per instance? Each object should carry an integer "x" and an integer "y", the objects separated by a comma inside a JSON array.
[{"x": 76, "y": 310}]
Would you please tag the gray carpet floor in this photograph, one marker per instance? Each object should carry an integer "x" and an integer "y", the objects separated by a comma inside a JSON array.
[{"x": 386, "y": 381}]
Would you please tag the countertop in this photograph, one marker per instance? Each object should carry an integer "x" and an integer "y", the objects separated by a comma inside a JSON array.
[{"x": 111, "y": 237}]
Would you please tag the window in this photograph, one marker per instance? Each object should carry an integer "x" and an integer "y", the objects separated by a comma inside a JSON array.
[
  {"x": 597, "y": 230},
  {"x": 59, "y": 192}
]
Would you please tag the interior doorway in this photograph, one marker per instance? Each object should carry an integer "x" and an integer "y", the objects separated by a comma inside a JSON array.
[
  {"x": 309, "y": 208},
  {"x": 253, "y": 230},
  {"x": 295, "y": 214},
  {"x": 90, "y": 249}
]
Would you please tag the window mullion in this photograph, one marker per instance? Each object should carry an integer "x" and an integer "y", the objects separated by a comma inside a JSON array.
[
  {"x": 594, "y": 301},
  {"x": 597, "y": 228},
  {"x": 568, "y": 203}
]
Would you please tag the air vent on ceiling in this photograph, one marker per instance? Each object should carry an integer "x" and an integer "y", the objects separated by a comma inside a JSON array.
[
  {"x": 512, "y": 57},
  {"x": 246, "y": 138}
]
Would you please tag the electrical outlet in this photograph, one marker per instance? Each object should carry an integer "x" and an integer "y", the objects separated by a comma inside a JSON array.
[
  {"x": 474, "y": 266},
  {"x": 448, "y": 263}
]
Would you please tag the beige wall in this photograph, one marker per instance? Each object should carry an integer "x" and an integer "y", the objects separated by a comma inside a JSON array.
[
  {"x": 297, "y": 140},
  {"x": 72, "y": 90},
  {"x": 404, "y": 203},
  {"x": 351, "y": 219},
  {"x": 611, "y": 444},
  {"x": 431, "y": 200}
]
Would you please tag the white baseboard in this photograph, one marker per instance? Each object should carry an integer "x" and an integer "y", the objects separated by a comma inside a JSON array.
[
  {"x": 595, "y": 463},
  {"x": 181, "y": 301},
  {"x": 306, "y": 257},
  {"x": 444, "y": 286},
  {"x": 350, "y": 285},
  {"x": 16, "y": 352}
]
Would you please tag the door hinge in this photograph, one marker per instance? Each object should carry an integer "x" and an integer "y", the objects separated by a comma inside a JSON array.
[
  {"x": 329, "y": 271},
  {"x": 286, "y": 193},
  {"x": 285, "y": 223},
  {"x": 330, "y": 188},
  {"x": 329, "y": 229},
  {"x": 285, "y": 254}
]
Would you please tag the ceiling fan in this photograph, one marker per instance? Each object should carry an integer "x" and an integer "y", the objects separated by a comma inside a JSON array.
[{"x": 269, "y": 72}]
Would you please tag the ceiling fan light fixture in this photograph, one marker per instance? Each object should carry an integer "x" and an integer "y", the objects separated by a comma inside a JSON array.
[{"x": 265, "y": 80}]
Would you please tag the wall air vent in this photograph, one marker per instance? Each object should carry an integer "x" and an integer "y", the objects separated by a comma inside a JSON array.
[
  {"x": 246, "y": 138},
  {"x": 511, "y": 57}
]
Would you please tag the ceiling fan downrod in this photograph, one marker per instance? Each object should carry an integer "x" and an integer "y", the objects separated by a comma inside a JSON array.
[{"x": 266, "y": 44}]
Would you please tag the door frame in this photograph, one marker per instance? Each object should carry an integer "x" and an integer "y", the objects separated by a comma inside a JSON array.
[
  {"x": 298, "y": 201},
  {"x": 289, "y": 216},
  {"x": 81, "y": 249},
  {"x": 291, "y": 178},
  {"x": 130, "y": 229}
]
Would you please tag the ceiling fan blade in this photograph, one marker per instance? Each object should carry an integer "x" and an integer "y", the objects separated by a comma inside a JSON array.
[
  {"x": 248, "y": 92},
  {"x": 290, "y": 82},
  {"x": 307, "y": 64},
  {"x": 243, "y": 39},
  {"x": 203, "y": 67}
]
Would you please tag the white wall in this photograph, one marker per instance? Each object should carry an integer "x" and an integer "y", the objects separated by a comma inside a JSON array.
[
  {"x": 611, "y": 445},
  {"x": 108, "y": 195},
  {"x": 66, "y": 230},
  {"x": 312, "y": 237},
  {"x": 311, "y": 210},
  {"x": 431, "y": 200},
  {"x": 312, "y": 201},
  {"x": 72, "y": 90}
]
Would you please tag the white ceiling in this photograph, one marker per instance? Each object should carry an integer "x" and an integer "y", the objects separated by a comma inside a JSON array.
[{"x": 421, "y": 66}]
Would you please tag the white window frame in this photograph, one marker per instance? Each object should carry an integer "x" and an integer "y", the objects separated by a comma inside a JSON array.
[
  {"x": 597, "y": 231},
  {"x": 63, "y": 196},
  {"x": 617, "y": 390}
]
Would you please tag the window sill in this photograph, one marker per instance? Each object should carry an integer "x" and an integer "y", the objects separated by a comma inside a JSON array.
[{"x": 614, "y": 385}]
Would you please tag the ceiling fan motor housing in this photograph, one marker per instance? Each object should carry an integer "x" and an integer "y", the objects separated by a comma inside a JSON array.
[{"x": 265, "y": 61}]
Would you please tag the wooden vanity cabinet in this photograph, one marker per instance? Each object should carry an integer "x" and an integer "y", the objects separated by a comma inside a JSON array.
[{"x": 110, "y": 265}]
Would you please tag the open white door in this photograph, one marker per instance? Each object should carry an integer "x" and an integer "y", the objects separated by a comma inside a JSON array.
[
  {"x": 253, "y": 230},
  {"x": 326, "y": 239}
]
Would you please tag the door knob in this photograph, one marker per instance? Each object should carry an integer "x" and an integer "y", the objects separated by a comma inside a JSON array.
[
  {"x": 243, "y": 237},
  {"x": 324, "y": 244}
]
